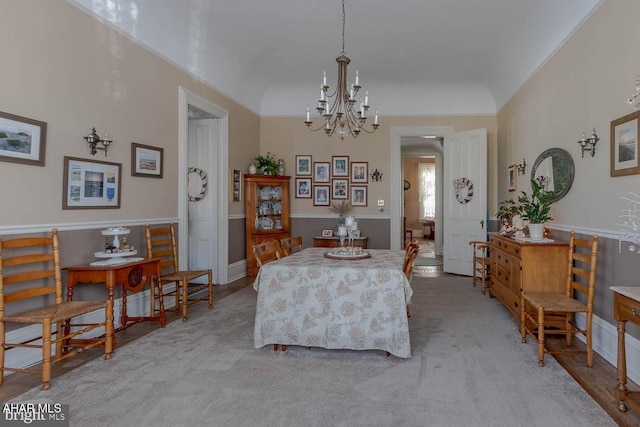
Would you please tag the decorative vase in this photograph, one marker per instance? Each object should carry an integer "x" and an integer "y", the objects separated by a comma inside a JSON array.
[
  {"x": 280, "y": 167},
  {"x": 252, "y": 169},
  {"x": 536, "y": 231}
]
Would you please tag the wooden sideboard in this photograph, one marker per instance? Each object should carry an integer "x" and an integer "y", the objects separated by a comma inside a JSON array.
[
  {"x": 531, "y": 267},
  {"x": 626, "y": 307},
  {"x": 334, "y": 242}
]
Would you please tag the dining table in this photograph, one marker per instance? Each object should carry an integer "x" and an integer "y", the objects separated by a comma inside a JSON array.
[{"x": 311, "y": 300}]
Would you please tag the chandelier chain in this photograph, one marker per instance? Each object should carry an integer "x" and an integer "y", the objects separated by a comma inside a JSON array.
[
  {"x": 342, "y": 110},
  {"x": 343, "y": 25}
]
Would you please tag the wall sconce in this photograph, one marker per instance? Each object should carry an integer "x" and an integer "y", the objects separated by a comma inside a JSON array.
[
  {"x": 376, "y": 175},
  {"x": 521, "y": 165},
  {"x": 589, "y": 144},
  {"x": 93, "y": 139}
]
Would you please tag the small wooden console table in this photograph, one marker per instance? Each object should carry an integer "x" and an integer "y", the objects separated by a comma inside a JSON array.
[
  {"x": 626, "y": 307},
  {"x": 334, "y": 242},
  {"x": 132, "y": 276}
]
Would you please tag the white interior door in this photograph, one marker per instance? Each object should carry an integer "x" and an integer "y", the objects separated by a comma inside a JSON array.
[
  {"x": 202, "y": 213},
  {"x": 465, "y": 198}
]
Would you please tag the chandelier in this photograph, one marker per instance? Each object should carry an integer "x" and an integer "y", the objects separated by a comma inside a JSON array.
[
  {"x": 634, "y": 100},
  {"x": 342, "y": 111}
]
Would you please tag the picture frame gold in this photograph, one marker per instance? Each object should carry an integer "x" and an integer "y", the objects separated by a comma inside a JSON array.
[{"x": 624, "y": 145}]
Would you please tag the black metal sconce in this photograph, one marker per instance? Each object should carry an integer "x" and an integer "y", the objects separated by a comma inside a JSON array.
[
  {"x": 93, "y": 139},
  {"x": 376, "y": 175}
]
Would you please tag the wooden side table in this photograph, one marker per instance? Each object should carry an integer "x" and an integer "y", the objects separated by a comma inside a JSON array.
[
  {"x": 132, "y": 276},
  {"x": 626, "y": 307},
  {"x": 334, "y": 242}
]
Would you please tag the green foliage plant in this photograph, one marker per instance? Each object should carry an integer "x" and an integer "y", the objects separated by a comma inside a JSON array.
[
  {"x": 268, "y": 164},
  {"x": 535, "y": 207}
]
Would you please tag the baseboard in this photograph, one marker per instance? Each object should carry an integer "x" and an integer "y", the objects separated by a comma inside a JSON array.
[
  {"x": 605, "y": 344},
  {"x": 237, "y": 270},
  {"x": 137, "y": 305}
]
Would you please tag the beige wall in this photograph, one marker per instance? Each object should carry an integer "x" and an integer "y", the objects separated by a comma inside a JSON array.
[
  {"x": 585, "y": 84},
  {"x": 65, "y": 68},
  {"x": 288, "y": 137}
]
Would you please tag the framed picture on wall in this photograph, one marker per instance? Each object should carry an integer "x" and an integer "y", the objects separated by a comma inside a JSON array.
[
  {"x": 321, "y": 172},
  {"x": 512, "y": 185},
  {"x": 358, "y": 195},
  {"x": 303, "y": 188},
  {"x": 146, "y": 160},
  {"x": 90, "y": 184},
  {"x": 321, "y": 195},
  {"x": 22, "y": 140},
  {"x": 236, "y": 185},
  {"x": 303, "y": 165},
  {"x": 340, "y": 189},
  {"x": 340, "y": 166},
  {"x": 624, "y": 145},
  {"x": 359, "y": 172}
]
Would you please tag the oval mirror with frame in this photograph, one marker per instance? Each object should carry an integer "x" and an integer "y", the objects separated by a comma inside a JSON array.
[{"x": 554, "y": 169}]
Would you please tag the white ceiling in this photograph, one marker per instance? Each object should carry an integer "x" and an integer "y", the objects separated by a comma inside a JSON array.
[{"x": 418, "y": 57}]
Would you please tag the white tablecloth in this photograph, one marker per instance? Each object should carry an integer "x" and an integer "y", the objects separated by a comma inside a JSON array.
[{"x": 309, "y": 300}]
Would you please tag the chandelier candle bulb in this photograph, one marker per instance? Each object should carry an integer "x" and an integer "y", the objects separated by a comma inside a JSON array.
[
  {"x": 308, "y": 114},
  {"x": 324, "y": 77},
  {"x": 375, "y": 119},
  {"x": 357, "y": 77}
]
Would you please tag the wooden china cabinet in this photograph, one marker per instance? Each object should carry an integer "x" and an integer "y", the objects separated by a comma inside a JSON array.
[{"x": 267, "y": 211}]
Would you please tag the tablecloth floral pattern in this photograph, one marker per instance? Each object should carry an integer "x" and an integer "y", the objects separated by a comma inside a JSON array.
[{"x": 309, "y": 300}]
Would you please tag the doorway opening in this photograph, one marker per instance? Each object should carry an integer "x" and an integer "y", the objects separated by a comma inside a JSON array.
[
  {"x": 410, "y": 141},
  {"x": 203, "y": 229}
]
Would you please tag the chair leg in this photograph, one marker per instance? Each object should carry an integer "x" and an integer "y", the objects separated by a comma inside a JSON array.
[
  {"x": 185, "y": 302},
  {"x": 2, "y": 332},
  {"x": 108, "y": 329},
  {"x": 408, "y": 311},
  {"x": 589, "y": 343},
  {"x": 540, "y": 336},
  {"x": 210, "y": 289},
  {"x": 46, "y": 354},
  {"x": 523, "y": 320}
]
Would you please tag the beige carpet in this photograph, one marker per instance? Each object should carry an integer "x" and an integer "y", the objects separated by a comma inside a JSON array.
[{"x": 468, "y": 369}]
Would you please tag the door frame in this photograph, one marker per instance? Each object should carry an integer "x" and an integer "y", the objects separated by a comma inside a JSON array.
[
  {"x": 220, "y": 157},
  {"x": 397, "y": 132}
]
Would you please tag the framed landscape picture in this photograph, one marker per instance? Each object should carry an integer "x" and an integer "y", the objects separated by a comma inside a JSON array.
[
  {"x": 146, "y": 160},
  {"x": 91, "y": 184},
  {"x": 624, "y": 145},
  {"x": 22, "y": 140}
]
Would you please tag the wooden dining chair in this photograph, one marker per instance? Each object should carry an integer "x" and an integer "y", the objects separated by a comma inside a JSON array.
[
  {"x": 291, "y": 245},
  {"x": 410, "y": 256},
  {"x": 581, "y": 280},
  {"x": 267, "y": 251},
  {"x": 406, "y": 231},
  {"x": 161, "y": 243},
  {"x": 27, "y": 267},
  {"x": 481, "y": 265}
]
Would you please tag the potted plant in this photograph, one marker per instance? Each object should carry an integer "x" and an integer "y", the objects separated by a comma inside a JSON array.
[
  {"x": 268, "y": 164},
  {"x": 535, "y": 209},
  {"x": 507, "y": 210}
]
